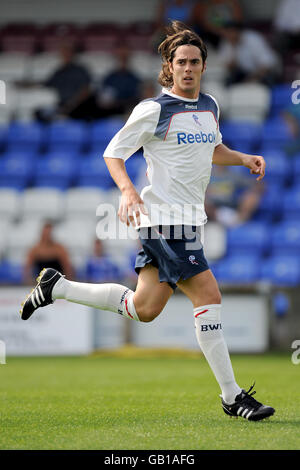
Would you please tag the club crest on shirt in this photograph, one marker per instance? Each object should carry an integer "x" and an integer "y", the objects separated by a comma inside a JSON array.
[{"x": 196, "y": 119}]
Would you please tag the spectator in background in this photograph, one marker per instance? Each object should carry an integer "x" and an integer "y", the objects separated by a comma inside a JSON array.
[
  {"x": 100, "y": 267},
  {"x": 292, "y": 117},
  {"x": 181, "y": 10},
  {"x": 210, "y": 16},
  {"x": 121, "y": 88},
  {"x": 287, "y": 25},
  {"x": 149, "y": 89},
  {"x": 231, "y": 198},
  {"x": 72, "y": 82},
  {"x": 247, "y": 56},
  {"x": 47, "y": 252}
]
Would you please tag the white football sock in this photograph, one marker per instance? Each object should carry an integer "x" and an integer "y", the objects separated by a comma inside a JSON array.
[
  {"x": 211, "y": 341},
  {"x": 113, "y": 297}
]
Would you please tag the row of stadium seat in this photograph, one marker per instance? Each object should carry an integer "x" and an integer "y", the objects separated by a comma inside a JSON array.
[
  {"x": 277, "y": 202},
  {"x": 63, "y": 170},
  {"x": 39, "y": 67},
  {"x": 282, "y": 170},
  {"x": 45, "y": 203},
  {"x": 77, "y": 136},
  {"x": 240, "y": 102},
  {"x": 28, "y": 37},
  {"x": 16, "y": 67},
  {"x": 248, "y": 246},
  {"x": 277, "y": 270},
  {"x": 77, "y": 233},
  {"x": 66, "y": 134},
  {"x": 261, "y": 238}
]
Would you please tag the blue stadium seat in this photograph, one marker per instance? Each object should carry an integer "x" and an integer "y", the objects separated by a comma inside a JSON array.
[
  {"x": 279, "y": 168},
  {"x": 16, "y": 170},
  {"x": 275, "y": 130},
  {"x": 93, "y": 172},
  {"x": 96, "y": 150},
  {"x": 21, "y": 153},
  {"x": 10, "y": 273},
  {"x": 285, "y": 238},
  {"x": 104, "y": 130},
  {"x": 29, "y": 136},
  {"x": 270, "y": 206},
  {"x": 238, "y": 269},
  {"x": 56, "y": 171},
  {"x": 296, "y": 167},
  {"x": 280, "y": 98},
  {"x": 281, "y": 270},
  {"x": 291, "y": 203},
  {"x": 267, "y": 147},
  {"x": 101, "y": 271},
  {"x": 3, "y": 136},
  {"x": 251, "y": 237},
  {"x": 134, "y": 166},
  {"x": 67, "y": 135},
  {"x": 68, "y": 154},
  {"x": 243, "y": 136}
]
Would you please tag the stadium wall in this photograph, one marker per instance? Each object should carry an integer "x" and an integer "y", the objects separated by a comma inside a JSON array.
[{"x": 71, "y": 329}]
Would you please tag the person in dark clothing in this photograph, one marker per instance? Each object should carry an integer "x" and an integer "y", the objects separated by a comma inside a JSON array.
[
  {"x": 72, "y": 83},
  {"x": 47, "y": 251},
  {"x": 121, "y": 88}
]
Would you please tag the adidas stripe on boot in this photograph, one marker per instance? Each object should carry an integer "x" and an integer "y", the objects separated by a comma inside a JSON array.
[
  {"x": 40, "y": 296},
  {"x": 247, "y": 407}
]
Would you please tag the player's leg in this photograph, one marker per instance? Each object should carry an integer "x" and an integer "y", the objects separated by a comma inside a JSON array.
[
  {"x": 51, "y": 285},
  {"x": 151, "y": 295},
  {"x": 203, "y": 291}
]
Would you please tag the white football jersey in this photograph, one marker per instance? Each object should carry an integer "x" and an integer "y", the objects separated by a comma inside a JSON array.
[{"x": 178, "y": 136}]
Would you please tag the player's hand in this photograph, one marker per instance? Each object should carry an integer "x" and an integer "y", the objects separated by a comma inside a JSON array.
[
  {"x": 131, "y": 206},
  {"x": 257, "y": 165}
]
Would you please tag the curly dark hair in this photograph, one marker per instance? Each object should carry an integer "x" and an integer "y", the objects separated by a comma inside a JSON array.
[{"x": 178, "y": 34}]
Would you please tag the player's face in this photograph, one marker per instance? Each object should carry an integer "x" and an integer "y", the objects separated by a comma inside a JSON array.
[{"x": 187, "y": 69}]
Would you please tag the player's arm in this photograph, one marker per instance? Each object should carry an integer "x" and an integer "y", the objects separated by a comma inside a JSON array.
[
  {"x": 130, "y": 199},
  {"x": 137, "y": 131},
  {"x": 224, "y": 156}
]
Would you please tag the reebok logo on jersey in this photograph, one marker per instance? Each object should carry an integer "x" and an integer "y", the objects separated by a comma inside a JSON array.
[
  {"x": 201, "y": 137},
  {"x": 190, "y": 106}
]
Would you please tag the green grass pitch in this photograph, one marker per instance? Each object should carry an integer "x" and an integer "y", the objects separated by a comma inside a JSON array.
[{"x": 148, "y": 402}]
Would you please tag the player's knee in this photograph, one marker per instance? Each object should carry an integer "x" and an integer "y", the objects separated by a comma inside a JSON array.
[{"x": 148, "y": 313}]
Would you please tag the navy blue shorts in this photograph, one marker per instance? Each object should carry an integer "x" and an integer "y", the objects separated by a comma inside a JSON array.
[{"x": 176, "y": 251}]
